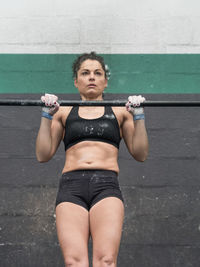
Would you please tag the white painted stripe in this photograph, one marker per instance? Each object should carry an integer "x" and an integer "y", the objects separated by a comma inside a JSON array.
[{"x": 114, "y": 26}]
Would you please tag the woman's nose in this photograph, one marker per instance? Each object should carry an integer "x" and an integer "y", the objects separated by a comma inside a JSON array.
[{"x": 92, "y": 76}]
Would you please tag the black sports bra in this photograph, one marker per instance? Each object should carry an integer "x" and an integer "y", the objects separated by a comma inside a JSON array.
[{"x": 103, "y": 129}]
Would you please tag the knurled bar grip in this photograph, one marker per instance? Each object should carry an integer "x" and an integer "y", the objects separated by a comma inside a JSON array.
[{"x": 27, "y": 102}]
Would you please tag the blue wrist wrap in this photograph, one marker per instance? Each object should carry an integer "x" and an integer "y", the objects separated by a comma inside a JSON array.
[
  {"x": 138, "y": 117},
  {"x": 47, "y": 115}
]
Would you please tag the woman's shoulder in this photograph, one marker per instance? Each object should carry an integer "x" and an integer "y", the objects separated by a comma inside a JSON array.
[
  {"x": 65, "y": 109},
  {"x": 120, "y": 111},
  {"x": 121, "y": 114},
  {"x": 63, "y": 113}
]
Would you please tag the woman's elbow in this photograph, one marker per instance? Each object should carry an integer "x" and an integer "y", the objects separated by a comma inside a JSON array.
[
  {"x": 141, "y": 157},
  {"x": 42, "y": 159}
]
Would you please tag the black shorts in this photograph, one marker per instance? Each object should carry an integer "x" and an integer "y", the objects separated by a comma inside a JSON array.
[{"x": 87, "y": 187}]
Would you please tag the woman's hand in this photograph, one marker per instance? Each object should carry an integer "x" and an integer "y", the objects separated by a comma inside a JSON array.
[
  {"x": 51, "y": 131},
  {"x": 135, "y": 135},
  {"x": 133, "y": 106},
  {"x": 51, "y": 104}
]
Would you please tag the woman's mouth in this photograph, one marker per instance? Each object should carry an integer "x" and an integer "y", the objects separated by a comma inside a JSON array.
[{"x": 91, "y": 85}]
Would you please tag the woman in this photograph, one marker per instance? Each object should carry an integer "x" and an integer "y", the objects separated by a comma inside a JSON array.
[{"x": 89, "y": 200}]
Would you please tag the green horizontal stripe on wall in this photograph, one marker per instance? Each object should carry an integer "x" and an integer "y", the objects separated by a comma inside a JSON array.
[{"x": 130, "y": 73}]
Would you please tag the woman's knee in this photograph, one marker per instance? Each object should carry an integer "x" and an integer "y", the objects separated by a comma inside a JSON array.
[
  {"x": 105, "y": 260},
  {"x": 71, "y": 261}
]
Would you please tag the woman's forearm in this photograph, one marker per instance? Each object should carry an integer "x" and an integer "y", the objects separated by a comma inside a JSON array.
[
  {"x": 140, "y": 141},
  {"x": 43, "y": 141}
]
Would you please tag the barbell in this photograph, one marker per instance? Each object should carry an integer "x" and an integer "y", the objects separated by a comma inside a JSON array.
[{"x": 28, "y": 102}]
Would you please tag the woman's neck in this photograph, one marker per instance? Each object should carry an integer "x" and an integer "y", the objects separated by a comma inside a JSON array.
[{"x": 98, "y": 98}]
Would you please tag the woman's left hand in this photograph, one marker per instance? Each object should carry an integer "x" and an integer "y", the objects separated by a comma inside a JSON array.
[{"x": 133, "y": 104}]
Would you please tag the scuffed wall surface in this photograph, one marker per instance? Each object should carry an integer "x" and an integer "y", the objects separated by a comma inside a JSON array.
[
  {"x": 162, "y": 221},
  {"x": 114, "y": 26}
]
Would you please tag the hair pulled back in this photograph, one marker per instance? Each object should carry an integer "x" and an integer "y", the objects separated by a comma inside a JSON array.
[{"x": 92, "y": 56}]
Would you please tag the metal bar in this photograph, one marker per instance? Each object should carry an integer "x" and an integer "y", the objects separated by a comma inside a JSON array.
[{"x": 27, "y": 102}]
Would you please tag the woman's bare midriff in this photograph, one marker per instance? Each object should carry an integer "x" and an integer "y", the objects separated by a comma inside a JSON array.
[{"x": 91, "y": 155}]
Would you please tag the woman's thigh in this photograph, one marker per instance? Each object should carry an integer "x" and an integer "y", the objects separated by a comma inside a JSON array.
[
  {"x": 72, "y": 222},
  {"x": 106, "y": 221}
]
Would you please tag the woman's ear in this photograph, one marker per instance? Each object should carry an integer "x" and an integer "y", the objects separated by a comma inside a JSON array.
[
  {"x": 75, "y": 83},
  {"x": 106, "y": 84}
]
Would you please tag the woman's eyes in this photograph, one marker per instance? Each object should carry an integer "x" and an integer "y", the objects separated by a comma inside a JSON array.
[
  {"x": 96, "y": 73},
  {"x": 84, "y": 73}
]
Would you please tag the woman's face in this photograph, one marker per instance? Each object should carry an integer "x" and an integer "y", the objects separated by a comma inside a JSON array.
[{"x": 91, "y": 80}]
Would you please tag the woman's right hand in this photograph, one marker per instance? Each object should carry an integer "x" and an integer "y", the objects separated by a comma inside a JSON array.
[{"x": 51, "y": 104}]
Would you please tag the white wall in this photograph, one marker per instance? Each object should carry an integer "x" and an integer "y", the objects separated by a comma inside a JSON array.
[{"x": 106, "y": 26}]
